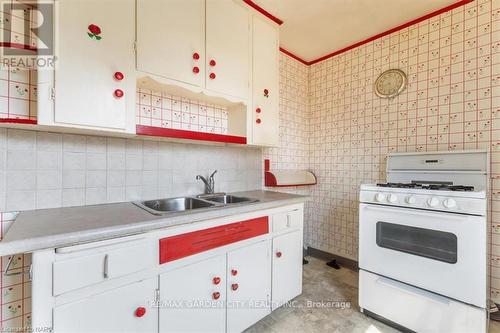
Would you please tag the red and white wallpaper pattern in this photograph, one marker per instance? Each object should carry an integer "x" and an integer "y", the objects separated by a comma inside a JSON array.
[{"x": 452, "y": 101}]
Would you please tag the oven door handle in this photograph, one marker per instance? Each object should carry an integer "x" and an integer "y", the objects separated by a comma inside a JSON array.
[
  {"x": 412, "y": 290},
  {"x": 439, "y": 214}
]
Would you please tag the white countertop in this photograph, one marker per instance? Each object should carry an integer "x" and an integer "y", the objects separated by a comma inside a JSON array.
[{"x": 50, "y": 228}]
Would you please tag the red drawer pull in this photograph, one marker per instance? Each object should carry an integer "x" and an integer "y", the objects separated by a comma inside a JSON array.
[
  {"x": 119, "y": 93},
  {"x": 216, "y": 295},
  {"x": 234, "y": 286},
  {"x": 140, "y": 311},
  {"x": 119, "y": 76},
  {"x": 258, "y": 110},
  {"x": 213, "y": 76},
  {"x": 196, "y": 56},
  {"x": 212, "y": 63},
  {"x": 216, "y": 280},
  {"x": 258, "y": 121},
  {"x": 234, "y": 272},
  {"x": 278, "y": 254},
  {"x": 183, "y": 245},
  {"x": 196, "y": 70}
]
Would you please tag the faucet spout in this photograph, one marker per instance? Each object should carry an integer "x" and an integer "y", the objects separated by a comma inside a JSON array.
[{"x": 209, "y": 183}]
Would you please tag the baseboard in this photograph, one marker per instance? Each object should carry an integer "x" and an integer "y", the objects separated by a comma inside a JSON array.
[{"x": 342, "y": 261}]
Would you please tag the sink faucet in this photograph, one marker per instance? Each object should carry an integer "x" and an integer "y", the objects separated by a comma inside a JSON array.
[{"x": 209, "y": 183}]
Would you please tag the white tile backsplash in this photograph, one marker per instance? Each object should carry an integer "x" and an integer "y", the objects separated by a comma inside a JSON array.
[{"x": 45, "y": 170}]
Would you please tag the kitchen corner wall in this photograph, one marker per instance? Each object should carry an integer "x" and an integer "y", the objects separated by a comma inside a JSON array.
[{"x": 452, "y": 102}]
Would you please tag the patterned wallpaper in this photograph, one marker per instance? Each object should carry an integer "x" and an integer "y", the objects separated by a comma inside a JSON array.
[{"x": 452, "y": 102}]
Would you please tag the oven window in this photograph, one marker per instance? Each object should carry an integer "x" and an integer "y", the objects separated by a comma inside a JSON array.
[{"x": 433, "y": 244}]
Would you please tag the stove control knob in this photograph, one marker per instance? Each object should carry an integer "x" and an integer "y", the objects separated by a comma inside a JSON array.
[
  {"x": 433, "y": 202},
  {"x": 392, "y": 198},
  {"x": 411, "y": 200},
  {"x": 379, "y": 197},
  {"x": 449, "y": 203}
]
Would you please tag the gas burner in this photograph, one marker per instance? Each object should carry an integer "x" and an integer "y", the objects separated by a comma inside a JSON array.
[{"x": 439, "y": 187}]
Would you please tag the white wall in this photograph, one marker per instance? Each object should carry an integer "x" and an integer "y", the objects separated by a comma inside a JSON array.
[{"x": 46, "y": 170}]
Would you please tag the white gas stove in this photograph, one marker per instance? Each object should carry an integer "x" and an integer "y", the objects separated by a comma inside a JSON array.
[{"x": 423, "y": 242}]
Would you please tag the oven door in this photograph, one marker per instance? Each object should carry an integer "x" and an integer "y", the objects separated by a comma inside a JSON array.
[{"x": 441, "y": 252}]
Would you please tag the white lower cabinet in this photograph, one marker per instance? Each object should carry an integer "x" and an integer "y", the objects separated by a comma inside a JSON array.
[
  {"x": 287, "y": 268},
  {"x": 248, "y": 286},
  {"x": 192, "y": 298},
  {"x": 124, "y": 309}
]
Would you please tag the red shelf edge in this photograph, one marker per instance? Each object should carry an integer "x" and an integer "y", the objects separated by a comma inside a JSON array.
[
  {"x": 18, "y": 121},
  {"x": 189, "y": 135}
]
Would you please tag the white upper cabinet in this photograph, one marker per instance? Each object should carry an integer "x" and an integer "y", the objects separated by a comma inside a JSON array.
[
  {"x": 264, "y": 115},
  {"x": 202, "y": 45},
  {"x": 228, "y": 48},
  {"x": 171, "y": 39},
  {"x": 94, "y": 81}
]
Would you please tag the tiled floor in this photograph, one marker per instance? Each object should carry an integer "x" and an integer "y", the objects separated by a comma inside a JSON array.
[{"x": 322, "y": 283}]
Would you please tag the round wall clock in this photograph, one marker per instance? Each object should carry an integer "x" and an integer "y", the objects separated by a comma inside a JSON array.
[{"x": 390, "y": 83}]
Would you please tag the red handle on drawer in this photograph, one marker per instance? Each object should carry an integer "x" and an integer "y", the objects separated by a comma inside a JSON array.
[
  {"x": 258, "y": 121},
  {"x": 140, "y": 311},
  {"x": 278, "y": 254},
  {"x": 234, "y": 286},
  {"x": 119, "y": 93},
  {"x": 119, "y": 76},
  {"x": 258, "y": 110},
  {"x": 212, "y": 63},
  {"x": 216, "y": 280},
  {"x": 196, "y": 56},
  {"x": 216, "y": 295},
  {"x": 196, "y": 70},
  {"x": 212, "y": 76},
  {"x": 234, "y": 272}
]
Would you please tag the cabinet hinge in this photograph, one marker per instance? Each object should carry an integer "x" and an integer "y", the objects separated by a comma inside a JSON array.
[
  {"x": 157, "y": 298},
  {"x": 53, "y": 93}
]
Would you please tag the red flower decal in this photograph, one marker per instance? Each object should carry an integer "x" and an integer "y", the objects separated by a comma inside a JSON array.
[{"x": 94, "y": 32}]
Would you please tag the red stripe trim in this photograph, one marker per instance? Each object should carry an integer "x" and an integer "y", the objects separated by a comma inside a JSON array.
[
  {"x": 189, "y": 135},
  {"x": 18, "y": 121},
  {"x": 184, "y": 245},
  {"x": 290, "y": 54},
  {"x": 385, "y": 33},
  {"x": 263, "y": 11},
  {"x": 18, "y": 46}
]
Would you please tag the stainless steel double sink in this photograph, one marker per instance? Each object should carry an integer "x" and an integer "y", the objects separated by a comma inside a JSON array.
[{"x": 182, "y": 204}]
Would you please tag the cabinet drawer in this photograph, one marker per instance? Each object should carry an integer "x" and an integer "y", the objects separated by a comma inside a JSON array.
[
  {"x": 74, "y": 270},
  {"x": 287, "y": 220},
  {"x": 179, "y": 246}
]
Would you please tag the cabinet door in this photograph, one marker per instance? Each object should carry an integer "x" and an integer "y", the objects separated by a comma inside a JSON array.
[
  {"x": 171, "y": 39},
  {"x": 125, "y": 309},
  {"x": 265, "y": 112},
  {"x": 193, "y": 297},
  {"x": 95, "y": 40},
  {"x": 228, "y": 48},
  {"x": 287, "y": 268},
  {"x": 248, "y": 285}
]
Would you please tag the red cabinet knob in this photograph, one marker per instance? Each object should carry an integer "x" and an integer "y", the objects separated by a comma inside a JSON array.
[
  {"x": 234, "y": 286},
  {"x": 212, "y": 76},
  {"x": 258, "y": 121},
  {"x": 212, "y": 63},
  {"x": 140, "y": 311},
  {"x": 258, "y": 110},
  {"x": 196, "y": 56},
  {"x": 216, "y": 280},
  {"x": 119, "y": 93},
  {"x": 196, "y": 70},
  {"x": 119, "y": 76},
  {"x": 234, "y": 272},
  {"x": 278, "y": 254},
  {"x": 216, "y": 295}
]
